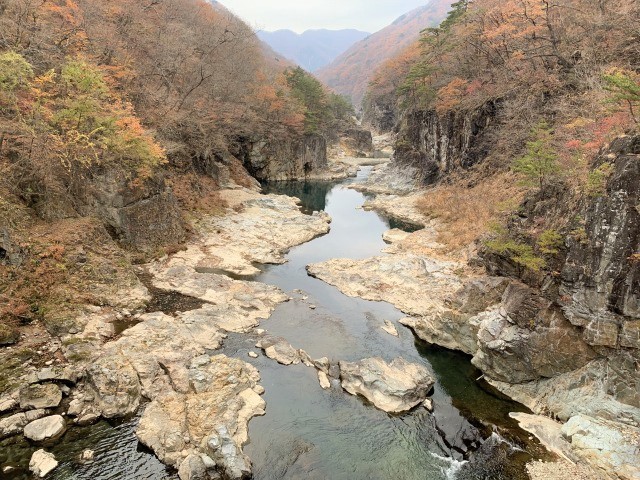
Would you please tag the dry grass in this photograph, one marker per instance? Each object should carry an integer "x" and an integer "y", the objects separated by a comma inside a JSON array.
[
  {"x": 469, "y": 212},
  {"x": 198, "y": 193}
]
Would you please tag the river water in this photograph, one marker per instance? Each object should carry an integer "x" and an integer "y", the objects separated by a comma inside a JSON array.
[{"x": 309, "y": 433}]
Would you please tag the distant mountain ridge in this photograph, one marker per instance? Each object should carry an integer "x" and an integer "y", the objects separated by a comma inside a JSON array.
[
  {"x": 349, "y": 74},
  {"x": 312, "y": 49}
]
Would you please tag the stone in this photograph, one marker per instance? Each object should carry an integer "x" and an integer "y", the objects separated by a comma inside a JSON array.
[
  {"x": 612, "y": 447},
  {"x": 390, "y": 328},
  {"x": 548, "y": 431},
  {"x": 47, "y": 428},
  {"x": 87, "y": 456},
  {"x": 398, "y": 279},
  {"x": 392, "y": 387},
  {"x": 8, "y": 404},
  {"x": 226, "y": 453},
  {"x": 323, "y": 364},
  {"x": 324, "y": 380},
  {"x": 221, "y": 393},
  {"x": 253, "y": 354},
  {"x": 8, "y": 335},
  {"x": 42, "y": 463},
  {"x": 428, "y": 405},
  {"x": 193, "y": 468},
  {"x": 394, "y": 236},
  {"x": 278, "y": 349},
  {"x": 40, "y": 396},
  {"x": 15, "y": 424}
]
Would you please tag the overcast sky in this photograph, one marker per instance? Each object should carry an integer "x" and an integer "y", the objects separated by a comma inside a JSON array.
[{"x": 301, "y": 15}]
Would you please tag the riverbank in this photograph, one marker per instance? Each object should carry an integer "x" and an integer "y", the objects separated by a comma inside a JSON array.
[{"x": 489, "y": 318}]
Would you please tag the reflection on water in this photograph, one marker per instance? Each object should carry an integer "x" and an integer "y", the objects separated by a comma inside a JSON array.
[{"x": 313, "y": 195}]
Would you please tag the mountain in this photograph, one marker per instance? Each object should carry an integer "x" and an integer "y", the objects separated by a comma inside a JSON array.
[
  {"x": 312, "y": 49},
  {"x": 349, "y": 74}
]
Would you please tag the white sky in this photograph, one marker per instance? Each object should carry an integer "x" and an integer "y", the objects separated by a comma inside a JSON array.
[{"x": 301, "y": 15}]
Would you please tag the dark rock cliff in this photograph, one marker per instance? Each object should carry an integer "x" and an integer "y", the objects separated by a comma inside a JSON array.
[
  {"x": 283, "y": 160},
  {"x": 438, "y": 144},
  {"x": 592, "y": 302}
]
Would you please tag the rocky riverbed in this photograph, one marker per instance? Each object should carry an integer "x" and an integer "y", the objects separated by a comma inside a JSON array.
[{"x": 195, "y": 402}]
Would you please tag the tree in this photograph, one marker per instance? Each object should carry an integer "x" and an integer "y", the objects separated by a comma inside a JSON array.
[
  {"x": 540, "y": 160},
  {"x": 625, "y": 88}
]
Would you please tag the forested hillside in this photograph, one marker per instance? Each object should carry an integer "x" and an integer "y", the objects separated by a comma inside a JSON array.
[
  {"x": 122, "y": 118},
  {"x": 350, "y": 73}
]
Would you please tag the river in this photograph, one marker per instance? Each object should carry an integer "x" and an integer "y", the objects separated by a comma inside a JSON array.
[{"x": 309, "y": 433}]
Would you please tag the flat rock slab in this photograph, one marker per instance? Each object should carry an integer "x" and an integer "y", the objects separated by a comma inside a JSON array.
[
  {"x": 46, "y": 428},
  {"x": 40, "y": 396},
  {"x": 392, "y": 387},
  {"x": 613, "y": 447},
  {"x": 278, "y": 349},
  {"x": 547, "y": 431}
]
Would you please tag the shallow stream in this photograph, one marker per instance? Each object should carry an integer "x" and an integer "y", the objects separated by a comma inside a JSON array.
[{"x": 309, "y": 433}]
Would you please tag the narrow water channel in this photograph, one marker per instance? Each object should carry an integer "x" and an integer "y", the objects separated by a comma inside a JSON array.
[
  {"x": 309, "y": 433},
  {"x": 316, "y": 434}
]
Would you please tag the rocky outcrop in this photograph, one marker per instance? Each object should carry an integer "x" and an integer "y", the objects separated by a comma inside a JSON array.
[
  {"x": 392, "y": 387},
  {"x": 141, "y": 217},
  {"x": 610, "y": 446},
  {"x": 205, "y": 424},
  {"x": 284, "y": 160},
  {"x": 437, "y": 144},
  {"x": 40, "y": 396},
  {"x": 359, "y": 141}
]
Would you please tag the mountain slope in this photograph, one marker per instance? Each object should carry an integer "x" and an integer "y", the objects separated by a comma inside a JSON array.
[
  {"x": 312, "y": 49},
  {"x": 349, "y": 74}
]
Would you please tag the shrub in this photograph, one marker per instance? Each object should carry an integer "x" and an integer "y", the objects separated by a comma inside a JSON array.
[
  {"x": 15, "y": 71},
  {"x": 597, "y": 180},
  {"x": 550, "y": 242}
]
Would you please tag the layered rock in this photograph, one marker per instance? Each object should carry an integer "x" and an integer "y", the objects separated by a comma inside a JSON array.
[
  {"x": 600, "y": 280},
  {"x": 392, "y": 387}
]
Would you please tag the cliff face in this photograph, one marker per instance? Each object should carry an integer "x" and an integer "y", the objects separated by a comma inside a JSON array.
[
  {"x": 290, "y": 160},
  {"x": 437, "y": 144},
  {"x": 600, "y": 281}
]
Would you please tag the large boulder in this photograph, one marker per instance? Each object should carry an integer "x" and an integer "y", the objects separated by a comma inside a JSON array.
[
  {"x": 42, "y": 463},
  {"x": 208, "y": 424},
  {"x": 393, "y": 387},
  {"x": 46, "y": 428}
]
